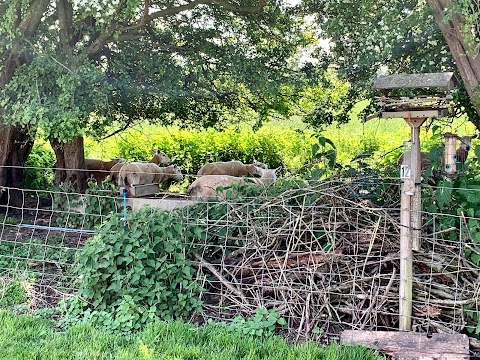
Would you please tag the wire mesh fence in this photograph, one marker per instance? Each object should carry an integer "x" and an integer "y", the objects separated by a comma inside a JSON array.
[{"x": 324, "y": 255}]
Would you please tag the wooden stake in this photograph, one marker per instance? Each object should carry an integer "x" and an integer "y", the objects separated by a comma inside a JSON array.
[{"x": 406, "y": 256}]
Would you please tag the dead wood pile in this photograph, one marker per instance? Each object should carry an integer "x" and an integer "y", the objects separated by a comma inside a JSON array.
[{"x": 329, "y": 261}]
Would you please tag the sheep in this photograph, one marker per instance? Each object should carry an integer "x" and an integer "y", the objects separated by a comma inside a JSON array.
[
  {"x": 99, "y": 169},
  {"x": 424, "y": 160},
  {"x": 136, "y": 173},
  {"x": 232, "y": 168},
  {"x": 465, "y": 145},
  {"x": 205, "y": 186},
  {"x": 460, "y": 157},
  {"x": 159, "y": 158}
]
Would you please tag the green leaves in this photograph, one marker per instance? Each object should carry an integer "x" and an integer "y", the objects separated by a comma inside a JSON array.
[
  {"x": 443, "y": 194},
  {"x": 263, "y": 323},
  {"x": 127, "y": 283}
]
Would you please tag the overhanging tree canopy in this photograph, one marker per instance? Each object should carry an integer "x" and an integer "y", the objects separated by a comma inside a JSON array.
[
  {"x": 72, "y": 67},
  {"x": 406, "y": 36}
]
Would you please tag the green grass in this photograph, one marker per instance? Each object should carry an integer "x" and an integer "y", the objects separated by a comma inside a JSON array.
[
  {"x": 15, "y": 255},
  {"x": 26, "y": 337}
]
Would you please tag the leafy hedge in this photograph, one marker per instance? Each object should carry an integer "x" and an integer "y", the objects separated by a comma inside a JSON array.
[
  {"x": 193, "y": 148},
  {"x": 38, "y": 174}
]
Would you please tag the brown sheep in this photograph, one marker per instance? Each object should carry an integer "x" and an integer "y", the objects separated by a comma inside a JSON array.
[
  {"x": 135, "y": 173},
  {"x": 424, "y": 162},
  {"x": 159, "y": 158},
  {"x": 205, "y": 187},
  {"x": 460, "y": 157},
  {"x": 232, "y": 168},
  {"x": 99, "y": 169},
  {"x": 465, "y": 145}
]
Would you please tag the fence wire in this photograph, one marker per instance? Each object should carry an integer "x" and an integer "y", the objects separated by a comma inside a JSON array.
[{"x": 325, "y": 256}]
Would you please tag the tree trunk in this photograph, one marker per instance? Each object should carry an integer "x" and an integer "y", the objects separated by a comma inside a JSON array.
[
  {"x": 15, "y": 146},
  {"x": 70, "y": 165},
  {"x": 468, "y": 63}
]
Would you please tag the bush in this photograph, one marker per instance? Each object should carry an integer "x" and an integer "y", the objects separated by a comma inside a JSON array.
[
  {"x": 262, "y": 324},
  {"x": 194, "y": 148},
  {"x": 133, "y": 275},
  {"x": 13, "y": 293},
  {"x": 40, "y": 175}
]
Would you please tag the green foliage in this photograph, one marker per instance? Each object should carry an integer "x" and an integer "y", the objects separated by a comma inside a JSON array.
[
  {"x": 97, "y": 203},
  {"x": 262, "y": 324},
  {"x": 16, "y": 254},
  {"x": 136, "y": 274},
  {"x": 58, "y": 99},
  {"x": 455, "y": 210},
  {"x": 5, "y": 219},
  {"x": 473, "y": 325},
  {"x": 12, "y": 293},
  {"x": 38, "y": 173},
  {"x": 111, "y": 70},
  {"x": 192, "y": 149},
  {"x": 368, "y": 37},
  {"x": 28, "y": 337},
  {"x": 470, "y": 12},
  {"x": 322, "y": 160}
]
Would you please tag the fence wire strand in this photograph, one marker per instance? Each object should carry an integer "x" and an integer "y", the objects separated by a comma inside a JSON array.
[{"x": 324, "y": 259}]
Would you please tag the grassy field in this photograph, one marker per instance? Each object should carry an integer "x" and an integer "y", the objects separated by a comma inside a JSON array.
[{"x": 26, "y": 337}]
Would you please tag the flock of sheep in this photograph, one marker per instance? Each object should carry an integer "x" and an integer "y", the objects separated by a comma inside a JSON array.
[{"x": 210, "y": 176}]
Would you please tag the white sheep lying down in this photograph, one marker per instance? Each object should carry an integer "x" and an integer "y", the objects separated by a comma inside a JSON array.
[
  {"x": 136, "y": 173},
  {"x": 205, "y": 187},
  {"x": 232, "y": 168},
  {"x": 158, "y": 158}
]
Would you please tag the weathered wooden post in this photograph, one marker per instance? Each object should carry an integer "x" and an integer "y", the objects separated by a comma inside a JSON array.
[{"x": 414, "y": 111}]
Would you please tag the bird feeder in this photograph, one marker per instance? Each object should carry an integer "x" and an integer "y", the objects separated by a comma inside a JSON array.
[{"x": 414, "y": 98}]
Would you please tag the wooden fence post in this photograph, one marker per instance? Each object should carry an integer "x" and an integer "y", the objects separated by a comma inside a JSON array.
[{"x": 410, "y": 222}]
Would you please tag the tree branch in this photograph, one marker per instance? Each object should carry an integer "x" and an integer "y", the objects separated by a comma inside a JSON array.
[
  {"x": 104, "y": 38},
  {"x": 467, "y": 65},
  {"x": 65, "y": 22},
  {"x": 33, "y": 18},
  {"x": 98, "y": 44}
]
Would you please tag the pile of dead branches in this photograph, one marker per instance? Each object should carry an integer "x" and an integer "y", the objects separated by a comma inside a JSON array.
[{"x": 328, "y": 261}]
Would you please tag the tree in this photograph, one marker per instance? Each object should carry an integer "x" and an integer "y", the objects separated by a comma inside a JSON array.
[
  {"x": 406, "y": 36},
  {"x": 71, "y": 68}
]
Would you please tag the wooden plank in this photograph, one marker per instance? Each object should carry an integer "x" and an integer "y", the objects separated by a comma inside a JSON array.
[
  {"x": 141, "y": 190},
  {"x": 162, "y": 203},
  {"x": 421, "y": 114},
  {"x": 409, "y": 345},
  {"x": 444, "y": 81}
]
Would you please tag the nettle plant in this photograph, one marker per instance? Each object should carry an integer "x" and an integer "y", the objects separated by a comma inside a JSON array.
[
  {"x": 131, "y": 275},
  {"x": 262, "y": 324}
]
